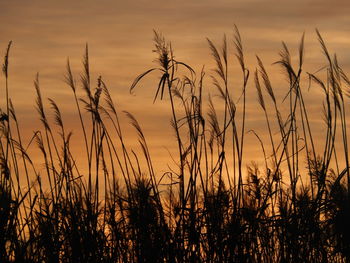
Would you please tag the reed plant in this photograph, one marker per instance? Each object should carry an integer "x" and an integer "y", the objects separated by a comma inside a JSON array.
[{"x": 210, "y": 207}]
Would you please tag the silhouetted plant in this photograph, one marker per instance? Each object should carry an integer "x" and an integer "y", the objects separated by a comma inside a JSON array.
[{"x": 209, "y": 208}]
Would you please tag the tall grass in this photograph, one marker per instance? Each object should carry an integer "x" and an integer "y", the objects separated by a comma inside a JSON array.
[{"x": 209, "y": 208}]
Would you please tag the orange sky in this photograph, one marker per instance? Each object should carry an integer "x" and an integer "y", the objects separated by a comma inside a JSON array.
[{"x": 119, "y": 34}]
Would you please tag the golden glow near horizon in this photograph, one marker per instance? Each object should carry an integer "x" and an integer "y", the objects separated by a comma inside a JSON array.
[{"x": 119, "y": 35}]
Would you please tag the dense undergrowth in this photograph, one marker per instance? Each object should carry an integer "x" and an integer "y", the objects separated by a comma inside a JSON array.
[{"x": 209, "y": 208}]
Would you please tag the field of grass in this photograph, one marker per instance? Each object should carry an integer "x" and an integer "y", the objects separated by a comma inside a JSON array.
[{"x": 209, "y": 208}]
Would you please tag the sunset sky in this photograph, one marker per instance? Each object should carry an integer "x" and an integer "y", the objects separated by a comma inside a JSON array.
[{"x": 120, "y": 33}]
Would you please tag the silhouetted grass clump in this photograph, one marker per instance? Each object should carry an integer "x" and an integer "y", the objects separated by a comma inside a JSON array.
[{"x": 209, "y": 208}]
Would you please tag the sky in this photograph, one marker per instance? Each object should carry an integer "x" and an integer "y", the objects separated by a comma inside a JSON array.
[{"x": 119, "y": 35}]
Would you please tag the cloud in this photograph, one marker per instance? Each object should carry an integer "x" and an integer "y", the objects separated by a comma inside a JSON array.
[{"x": 120, "y": 35}]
